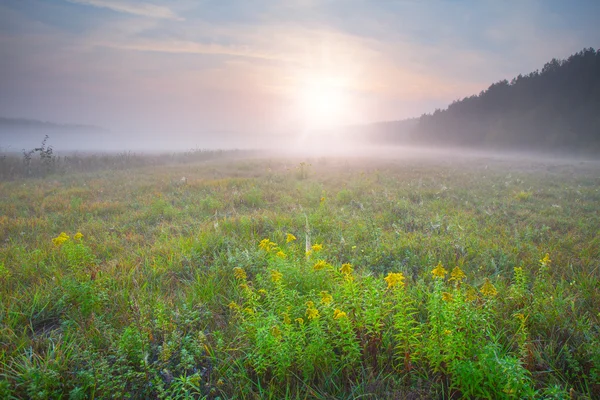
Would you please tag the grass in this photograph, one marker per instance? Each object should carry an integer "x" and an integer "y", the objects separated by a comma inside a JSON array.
[{"x": 192, "y": 288}]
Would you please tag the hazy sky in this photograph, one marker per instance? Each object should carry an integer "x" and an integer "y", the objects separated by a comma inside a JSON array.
[{"x": 262, "y": 65}]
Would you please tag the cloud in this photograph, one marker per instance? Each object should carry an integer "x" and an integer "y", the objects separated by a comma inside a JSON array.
[
  {"x": 192, "y": 47},
  {"x": 137, "y": 8}
]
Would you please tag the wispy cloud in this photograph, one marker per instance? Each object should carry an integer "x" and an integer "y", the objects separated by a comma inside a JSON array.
[
  {"x": 135, "y": 8},
  {"x": 191, "y": 47}
]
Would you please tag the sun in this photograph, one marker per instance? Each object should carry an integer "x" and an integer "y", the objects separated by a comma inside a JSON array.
[{"x": 323, "y": 102}]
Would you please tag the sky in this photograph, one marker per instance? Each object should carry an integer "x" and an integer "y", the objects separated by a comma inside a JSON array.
[{"x": 270, "y": 65}]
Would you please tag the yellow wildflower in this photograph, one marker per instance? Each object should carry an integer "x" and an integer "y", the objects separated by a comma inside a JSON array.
[
  {"x": 286, "y": 318},
  {"x": 322, "y": 200},
  {"x": 267, "y": 245},
  {"x": 281, "y": 254},
  {"x": 346, "y": 268},
  {"x": 312, "y": 313},
  {"x": 310, "y": 304},
  {"x": 262, "y": 292},
  {"x": 521, "y": 317},
  {"x": 326, "y": 298},
  {"x": 394, "y": 279},
  {"x": 299, "y": 321},
  {"x": 447, "y": 296},
  {"x": 447, "y": 331},
  {"x": 290, "y": 238},
  {"x": 546, "y": 260},
  {"x": 78, "y": 236},
  {"x": 275, "y": 331},
  {"x": 264, "y": 244},
  {"x": 60, "y": 239},
  {"x": 471, "y": 294},
  {"x": 488, "y": 289},
  {"x": 276, "y": 276},
  {"x": 233, "y": 306},
  {"x": 339, "y": 314},
  {"x": 457, "y": 274},
  {"x": 249, "y": 311},
  {"x": 439, "y": 271},
  {"x": 239, "y": 273},
  {"x": 320, "y": 265},
  {"x": 317, "y": 247}
]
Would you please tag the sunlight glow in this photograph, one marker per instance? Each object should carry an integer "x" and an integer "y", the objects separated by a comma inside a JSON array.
[{"x": 323, "y": 102}]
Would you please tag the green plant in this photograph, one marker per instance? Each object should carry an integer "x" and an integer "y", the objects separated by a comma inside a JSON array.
[
  {"x": 303, "y": 170},
  {"x": 492, "y": 375}
]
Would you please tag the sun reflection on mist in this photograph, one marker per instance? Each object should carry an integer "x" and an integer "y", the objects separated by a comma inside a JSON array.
[{"x": 323, "y": 100}]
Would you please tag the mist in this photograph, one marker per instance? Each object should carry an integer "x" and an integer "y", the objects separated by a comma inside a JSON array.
[
  {"x": 125, "y": 141},
  {"x": 339, "y": 143}
]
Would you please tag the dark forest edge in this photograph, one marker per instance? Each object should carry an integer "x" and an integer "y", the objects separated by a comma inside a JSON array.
[{"x": 552, "y": 110}]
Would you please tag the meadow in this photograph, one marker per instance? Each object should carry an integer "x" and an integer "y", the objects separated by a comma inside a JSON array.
[{"x": 265, "y": 277}]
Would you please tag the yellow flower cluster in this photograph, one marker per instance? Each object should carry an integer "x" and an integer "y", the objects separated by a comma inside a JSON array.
[
  {"x": 439, "y": 271},
  {"x": 63, "y": 237},
  {"x": 311, "y": 311},
  {"x": 488, "y": 289},
  {"x": 267, "y": 245},
  {"x": 290, "y": 238},
  {"x": 457, "y": 275},
  {"x": 239, "y": 273},
  {"x": 281, "y": 254},
  {"x": 326, "y": 298},
  {"x": 60, "y": 239},
  {"x": 276, "y": 276},
  {"x": 447, "y": 296},
  {"x": 317, "y": 247},
  {"x": 546, "y": 260},
  {"x": 521, "y": 317},
  {"x": 321, "y": 264},
  {"x": 338, "y": 314},
  {"x": 471, "y": 294},
  {"x": 346, "y": 269},
  {"x": 394, "y": 279}
]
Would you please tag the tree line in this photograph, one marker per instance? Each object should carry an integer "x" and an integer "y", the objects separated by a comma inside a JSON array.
[{"x": 556, "y": 108}]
